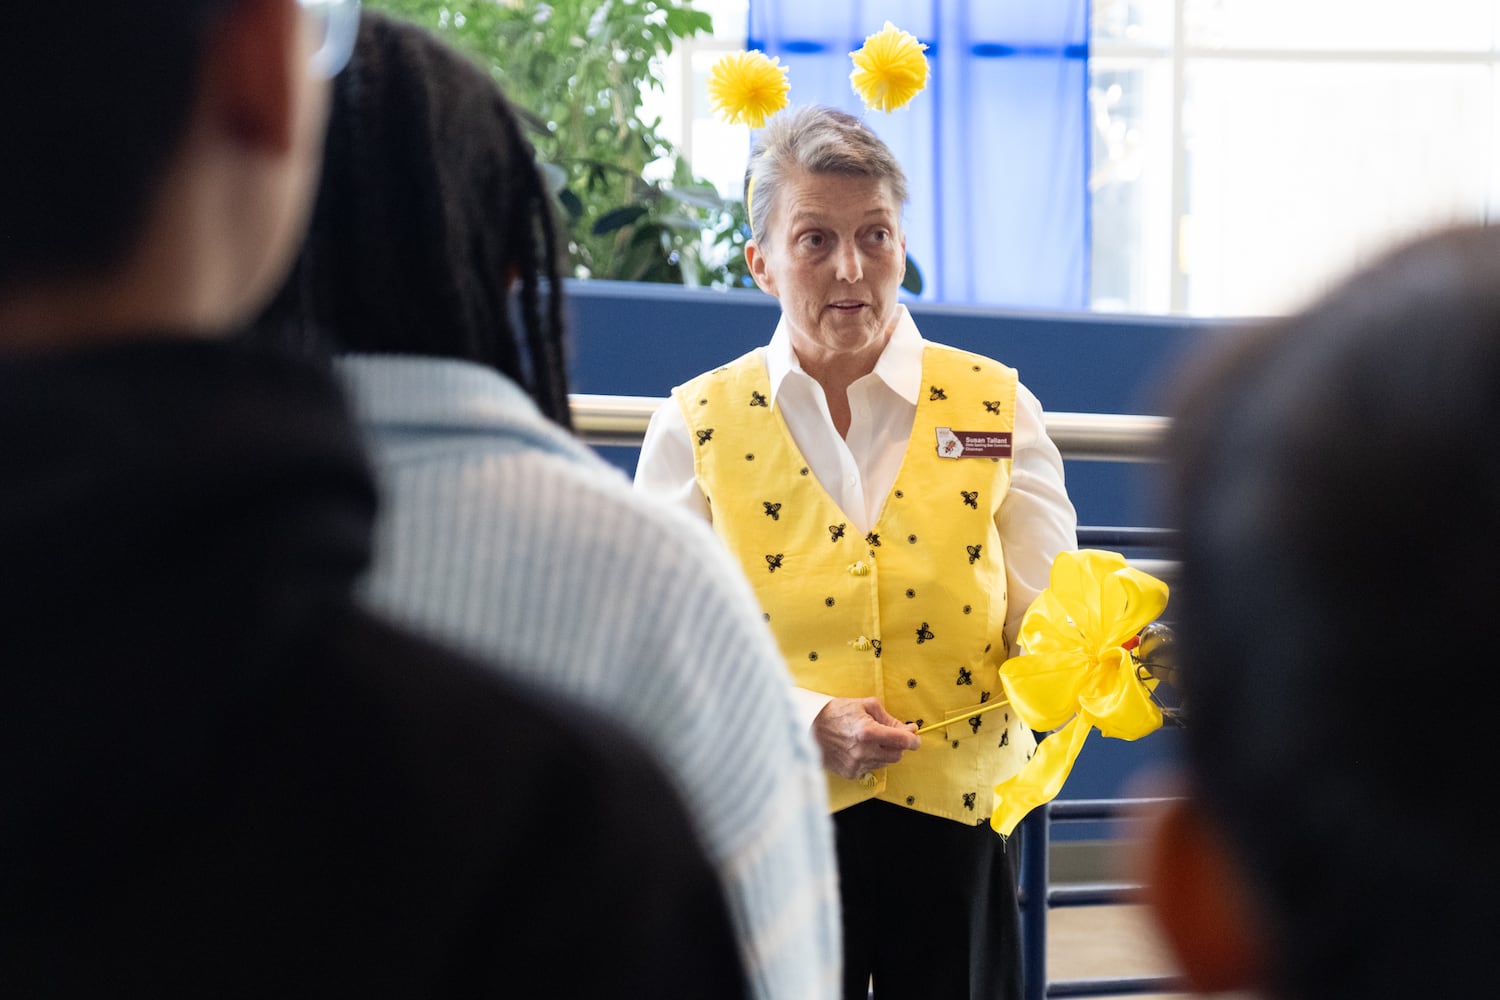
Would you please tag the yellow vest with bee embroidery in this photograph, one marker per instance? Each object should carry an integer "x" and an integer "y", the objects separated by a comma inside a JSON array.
[{"x": 912, "y": 613}]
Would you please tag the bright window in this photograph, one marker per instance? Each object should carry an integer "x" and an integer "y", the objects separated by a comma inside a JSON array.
[
  {"x": 717, "y": 151},
  {"x": 1245, "y": 153},
  {"x": 1248, "y": 152}
]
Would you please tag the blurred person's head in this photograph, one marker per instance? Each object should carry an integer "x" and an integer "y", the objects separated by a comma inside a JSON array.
[
  {"x": 432, "y": 212},
  {"x": 1337, "y": 488},
  {"x": 160, "y": 159}
]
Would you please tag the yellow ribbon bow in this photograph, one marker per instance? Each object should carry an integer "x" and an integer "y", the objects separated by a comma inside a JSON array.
[{"x": 1078, "y": 673}]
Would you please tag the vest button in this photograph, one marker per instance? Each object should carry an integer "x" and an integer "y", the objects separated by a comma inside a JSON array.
[
  {"x": 861, "y": 644},
  {"x": 911, "y": 800},
  {"x": 859, "y": 569}
]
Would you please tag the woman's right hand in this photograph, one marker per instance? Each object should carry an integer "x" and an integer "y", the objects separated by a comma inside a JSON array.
[{"x": 857, "y": 736}]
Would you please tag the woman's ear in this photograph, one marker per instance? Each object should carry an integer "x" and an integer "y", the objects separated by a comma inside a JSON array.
[
  {"x": 758, "y": 270},
  {"x": 1203, "y": 902}
]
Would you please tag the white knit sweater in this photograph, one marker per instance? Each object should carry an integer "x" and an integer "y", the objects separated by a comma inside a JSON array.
[{"x": 508, "y": 538}]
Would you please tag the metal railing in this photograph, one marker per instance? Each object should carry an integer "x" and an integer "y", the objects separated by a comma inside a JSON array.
[
  {"x": 1039, "y": 896},
  {"x": 1089, "y": 437}
]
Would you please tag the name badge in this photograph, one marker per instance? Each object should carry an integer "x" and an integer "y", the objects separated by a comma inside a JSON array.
[{"x": 973, "y": 444}]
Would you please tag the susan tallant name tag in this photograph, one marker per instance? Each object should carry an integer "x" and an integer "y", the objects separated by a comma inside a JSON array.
[{"x": 973, "y": 444}]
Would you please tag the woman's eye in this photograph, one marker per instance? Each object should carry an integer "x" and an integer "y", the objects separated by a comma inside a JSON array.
[{"x": 813, "y": 240}]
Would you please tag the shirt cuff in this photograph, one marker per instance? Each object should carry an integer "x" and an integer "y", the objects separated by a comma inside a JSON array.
[{"x": 807, "y": 704}]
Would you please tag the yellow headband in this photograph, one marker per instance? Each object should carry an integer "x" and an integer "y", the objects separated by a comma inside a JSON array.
[{"x": 746, "y": 88}]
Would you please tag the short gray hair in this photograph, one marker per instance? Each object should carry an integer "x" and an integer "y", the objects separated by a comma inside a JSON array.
[{"x": 814, "y": 140}]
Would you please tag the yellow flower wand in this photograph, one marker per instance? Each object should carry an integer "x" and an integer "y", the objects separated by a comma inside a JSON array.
[{"x": 1078, "y": 673}]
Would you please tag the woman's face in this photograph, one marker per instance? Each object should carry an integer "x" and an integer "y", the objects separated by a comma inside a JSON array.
[{"x": 834, "y": 255}]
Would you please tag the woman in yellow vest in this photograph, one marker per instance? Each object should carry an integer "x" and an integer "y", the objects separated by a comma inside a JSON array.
[{"x": 897, "y": 505}]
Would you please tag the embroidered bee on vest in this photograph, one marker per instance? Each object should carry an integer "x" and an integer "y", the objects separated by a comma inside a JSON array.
[
  {"x": 992, "y": 406},
  {"x": 705, "y": 435},
  {"x": 875, "y": 644},
  {"x": 873, "y": 539},
  {"x": 984, "y": 696},
  {"x": 759, "y": 399},
  {"x": 969, "y": 800},
  {"x": 923, "y": 634},
  {"x": 773, "y": 510},
  {"x": 934, "y": 393},
  {"x": 1005, "y": 740},
  {"x": 973, "y": 553},
  {"x": 773, "y": 563},
  {"x": 964, "y": 677},
  {"x": 975, "y": 721},
  {"x": 837, "y": 531},
  {"x": 971, "y": 498}
]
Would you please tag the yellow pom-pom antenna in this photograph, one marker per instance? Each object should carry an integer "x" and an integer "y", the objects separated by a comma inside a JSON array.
[
  {"x": 889, "y": 70},
  {"x": 747, "y": 88}
]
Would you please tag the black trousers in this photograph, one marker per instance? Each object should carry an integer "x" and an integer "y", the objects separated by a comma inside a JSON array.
[{"x": 929, "y": 906}]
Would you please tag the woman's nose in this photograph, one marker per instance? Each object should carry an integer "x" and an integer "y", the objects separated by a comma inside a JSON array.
[{"x": 849, "y": 268}]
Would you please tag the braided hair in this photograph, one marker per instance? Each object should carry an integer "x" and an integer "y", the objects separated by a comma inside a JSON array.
[{"x": 431, "y": 209}]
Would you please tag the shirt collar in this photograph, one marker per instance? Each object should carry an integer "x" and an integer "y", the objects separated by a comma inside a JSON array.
[
  {"x": 899, "y": 365},
  {"x": 393, "y": 393}
]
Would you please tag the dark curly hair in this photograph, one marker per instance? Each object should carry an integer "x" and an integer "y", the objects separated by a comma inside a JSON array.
[{"x": 430, "y": 211}]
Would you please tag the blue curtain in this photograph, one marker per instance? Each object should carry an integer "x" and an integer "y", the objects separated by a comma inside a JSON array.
[{"x": 995, "y": 150}]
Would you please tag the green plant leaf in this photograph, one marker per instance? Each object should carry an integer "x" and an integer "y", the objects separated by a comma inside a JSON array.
[
  {"x": 913, "y": 280},
  {"x": 570, "y": 203},
  {"x": 576, "y": 71},
  {"x": 649, "y": 234},
  {"x": 681, "y": 224},
  {"x": 704, "y": 196},
  {"x": 617, "y": 218}
]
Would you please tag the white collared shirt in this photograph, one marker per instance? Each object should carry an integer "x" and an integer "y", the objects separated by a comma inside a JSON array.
[{"x": 1036, "y": 519}]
